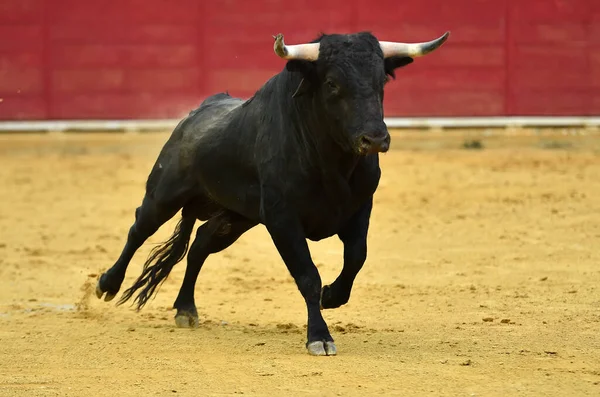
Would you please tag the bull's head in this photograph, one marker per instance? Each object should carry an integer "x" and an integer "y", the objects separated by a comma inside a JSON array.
[{"x": 346, "y": 74}]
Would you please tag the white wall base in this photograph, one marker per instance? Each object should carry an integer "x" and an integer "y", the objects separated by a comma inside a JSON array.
[{"x": 392, "y": 122}]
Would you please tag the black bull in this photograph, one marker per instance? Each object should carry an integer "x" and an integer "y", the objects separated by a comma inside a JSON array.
[{"x": 300, "y": 157}]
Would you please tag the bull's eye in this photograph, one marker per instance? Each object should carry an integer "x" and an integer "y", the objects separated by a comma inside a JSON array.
[{"x": 331, "y": 85}]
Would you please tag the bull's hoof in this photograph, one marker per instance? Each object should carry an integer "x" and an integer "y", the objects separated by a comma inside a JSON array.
[
  {"x": 332, "y": 298},
  {"x": 320, "y": 348},
  {"x": 99, "y": 292},
  {"x": 186, "y": 320}
]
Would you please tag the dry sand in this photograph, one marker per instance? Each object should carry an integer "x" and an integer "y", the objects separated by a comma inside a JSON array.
[{"x": 483, "y": 278}]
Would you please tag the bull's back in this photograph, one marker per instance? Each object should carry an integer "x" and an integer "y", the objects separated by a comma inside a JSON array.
[
  {"x": 200, "y": 126},
  {"x": 204, "y": 126},
  {"x": 216, "y": 148},
  {"x": 212, "y": 112}
]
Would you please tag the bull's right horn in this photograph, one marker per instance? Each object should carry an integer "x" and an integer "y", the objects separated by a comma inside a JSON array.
[
  {"x": 413, "y": 50},
  {"x": 307, "y": 52}
]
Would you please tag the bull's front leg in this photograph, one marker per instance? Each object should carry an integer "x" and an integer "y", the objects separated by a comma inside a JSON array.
[
  {"x": 354, "y": 237},
  {"x": 289, "y": 238}
]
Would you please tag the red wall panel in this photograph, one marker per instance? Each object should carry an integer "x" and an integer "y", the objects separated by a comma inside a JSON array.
[{"x": 107, "y": 59}]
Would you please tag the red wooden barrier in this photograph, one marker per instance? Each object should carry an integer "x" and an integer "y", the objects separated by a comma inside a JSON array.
[{"x": 124, "y": 59}]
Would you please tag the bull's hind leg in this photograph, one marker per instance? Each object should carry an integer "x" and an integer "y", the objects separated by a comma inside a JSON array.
[
  {"x": 166, "y": 194},
  {"x": 148, "y": 218},
  {"x": 215, "y": 235}
]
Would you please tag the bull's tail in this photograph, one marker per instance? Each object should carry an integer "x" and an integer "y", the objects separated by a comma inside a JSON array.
[{"x": 160, "y": 262}]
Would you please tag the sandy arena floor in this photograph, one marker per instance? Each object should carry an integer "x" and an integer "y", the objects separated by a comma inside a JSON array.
[{"x": 483, "y": 279}]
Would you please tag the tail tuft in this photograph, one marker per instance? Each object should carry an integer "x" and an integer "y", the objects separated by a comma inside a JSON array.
[{"x": 160, "y": 262}]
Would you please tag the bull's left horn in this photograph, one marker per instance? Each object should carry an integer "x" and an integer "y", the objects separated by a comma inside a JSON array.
[
  {"x": 308, "y": 52},
  {"x": 413, "y": 50}
]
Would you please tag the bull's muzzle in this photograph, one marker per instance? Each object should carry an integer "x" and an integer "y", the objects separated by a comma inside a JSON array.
[{"x": 373, "y": 143}]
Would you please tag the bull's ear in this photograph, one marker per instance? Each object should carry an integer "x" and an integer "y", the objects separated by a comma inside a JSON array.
[
  {"x": 308, "y": 72},
  {"x": 393, "y": 63}
]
